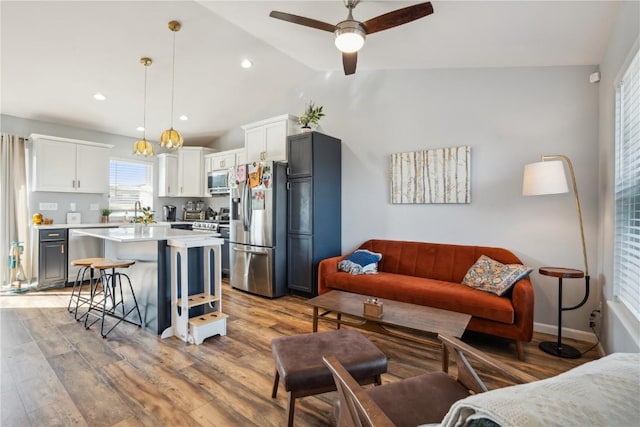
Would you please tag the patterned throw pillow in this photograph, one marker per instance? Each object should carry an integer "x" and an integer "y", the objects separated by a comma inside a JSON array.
[
  {"x": 361, "y": 261},
  {"x": 491, "y": 276}
]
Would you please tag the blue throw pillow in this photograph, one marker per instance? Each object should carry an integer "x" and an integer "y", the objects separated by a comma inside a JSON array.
[{"x": 361, "y": 261}]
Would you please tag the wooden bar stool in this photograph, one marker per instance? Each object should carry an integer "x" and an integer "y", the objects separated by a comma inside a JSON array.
[
  {"x": 110, "y": 300},
  {"x": 77, "y": 299}
]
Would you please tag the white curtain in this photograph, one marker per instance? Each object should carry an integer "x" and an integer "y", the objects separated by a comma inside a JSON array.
[{"x": 14, "y": 208}]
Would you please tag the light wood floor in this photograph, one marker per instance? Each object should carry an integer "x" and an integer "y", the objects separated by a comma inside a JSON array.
[{"x": 54, "y": 372}]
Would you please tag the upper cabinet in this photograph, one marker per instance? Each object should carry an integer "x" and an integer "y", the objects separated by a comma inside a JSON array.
[
  {"x": 224, "y": 159},
  {"x": 267, "y": 139},
  {"x": 191, "y": 171},
  {"x": 183, "y": 173},
  {"x": 167, "y": 175},
  {"x": 69, "y": 165}
]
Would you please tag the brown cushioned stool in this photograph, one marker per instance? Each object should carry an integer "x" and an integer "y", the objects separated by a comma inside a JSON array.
[{"x": 299, "y": 362}]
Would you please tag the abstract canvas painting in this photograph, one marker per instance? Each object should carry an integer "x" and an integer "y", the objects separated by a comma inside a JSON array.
[{"x": 439, "y": 175}]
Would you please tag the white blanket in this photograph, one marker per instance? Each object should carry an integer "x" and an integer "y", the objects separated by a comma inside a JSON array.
[{"x": 604, "y": 392}]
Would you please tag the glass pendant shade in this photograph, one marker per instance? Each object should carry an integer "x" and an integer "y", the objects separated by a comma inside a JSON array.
[
  {"x": 171, "y": 139},
  {"x": 143, "y": 147}
]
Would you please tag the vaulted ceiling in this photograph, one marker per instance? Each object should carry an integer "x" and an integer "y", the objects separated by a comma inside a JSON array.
[{"x": 57, "y": 54}]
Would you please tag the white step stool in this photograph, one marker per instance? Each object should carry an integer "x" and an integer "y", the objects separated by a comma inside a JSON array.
[{"x": 194, "y": 330}]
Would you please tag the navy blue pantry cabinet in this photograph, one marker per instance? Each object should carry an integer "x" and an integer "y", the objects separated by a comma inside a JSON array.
[{"x": 314, "y": 210}]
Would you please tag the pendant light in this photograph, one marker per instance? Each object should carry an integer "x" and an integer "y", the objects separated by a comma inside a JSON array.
[
  {"x": 171, "y": 138},
  {"x": 143, "y": 147}
]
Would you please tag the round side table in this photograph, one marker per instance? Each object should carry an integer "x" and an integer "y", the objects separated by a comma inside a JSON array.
[{"x": 557, "y": 348}]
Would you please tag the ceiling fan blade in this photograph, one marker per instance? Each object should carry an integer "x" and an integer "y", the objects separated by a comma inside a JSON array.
[
  {"x": 398, "y": 17},
  {"x": 301, "y": 20},
  {"x": 349, "y": 61}
]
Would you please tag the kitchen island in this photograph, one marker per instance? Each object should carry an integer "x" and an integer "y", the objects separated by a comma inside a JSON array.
[{"x": 151, "y": 274}]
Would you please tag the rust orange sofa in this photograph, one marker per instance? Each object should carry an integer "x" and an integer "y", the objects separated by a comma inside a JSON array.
[{"x": 431, "y": 274}]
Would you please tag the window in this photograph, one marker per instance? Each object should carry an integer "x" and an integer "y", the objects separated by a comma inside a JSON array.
[
  {"x": 626, "y": 262},
  {"x": 129, "y": 182}
]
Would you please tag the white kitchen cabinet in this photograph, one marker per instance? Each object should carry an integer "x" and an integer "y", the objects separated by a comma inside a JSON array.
[
  {"x": 221, "y": 161},
  {"x": 191, "y": 171},
  {"x": 70, "y": 165},
  {"x": 267, "y": 139},
  {"x": 241, "y": 156},
  {"x": 225, "y": 159},
  {"x": 167, "y": 175}
]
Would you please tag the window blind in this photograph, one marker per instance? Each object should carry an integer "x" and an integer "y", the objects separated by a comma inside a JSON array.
[
  {"x": 129, "y": 182},
  {"x": 626, "y": 261}
]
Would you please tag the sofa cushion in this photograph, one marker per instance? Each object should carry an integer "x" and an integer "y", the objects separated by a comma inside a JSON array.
[
  {"x": 438, "y": 261},
  {"x": 492, "y": 276},
  {"x": 361, "y": 261},
  {"x": 429, "y": 292}
]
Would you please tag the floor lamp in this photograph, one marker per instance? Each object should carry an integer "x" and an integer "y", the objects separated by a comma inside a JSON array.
[{"x": 548, "y": 177}]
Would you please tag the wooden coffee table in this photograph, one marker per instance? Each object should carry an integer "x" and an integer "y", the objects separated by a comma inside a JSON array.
[{"x": 399, "y": 319}]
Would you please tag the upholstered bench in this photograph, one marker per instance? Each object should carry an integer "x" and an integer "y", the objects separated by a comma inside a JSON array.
[{"x": 298, "y": 360}]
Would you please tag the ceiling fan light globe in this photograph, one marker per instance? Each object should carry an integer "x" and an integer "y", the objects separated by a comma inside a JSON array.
[
  {"x": 171, "y": 139},
  {"x": 349, "y": 36}
]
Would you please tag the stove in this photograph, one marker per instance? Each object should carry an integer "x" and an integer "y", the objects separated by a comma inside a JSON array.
[{"x": 207, "y": 225}]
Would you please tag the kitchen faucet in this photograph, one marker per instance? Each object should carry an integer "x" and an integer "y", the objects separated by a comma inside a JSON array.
[{"x": 137, "y": 206}]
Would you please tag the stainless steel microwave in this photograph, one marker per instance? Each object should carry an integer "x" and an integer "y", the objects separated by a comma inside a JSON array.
[{"x": 218, "y": 182}]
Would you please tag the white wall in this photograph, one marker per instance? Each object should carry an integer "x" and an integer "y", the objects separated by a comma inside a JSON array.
[
  {"x": 621, "y": 331},
  {"x": 509, "y": 117}
]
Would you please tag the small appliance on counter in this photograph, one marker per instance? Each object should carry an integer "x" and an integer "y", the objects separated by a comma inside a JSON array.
[
  {"x": 193, "y": 215},
  {"x": 169, "y": 212},
  {"x": 223, "y": 216}
]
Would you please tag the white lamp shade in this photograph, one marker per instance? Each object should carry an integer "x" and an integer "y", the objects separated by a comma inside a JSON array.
[{"x": 544, "y": 178}]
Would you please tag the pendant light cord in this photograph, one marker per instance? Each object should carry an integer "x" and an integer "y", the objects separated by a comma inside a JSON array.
[
  {"x": 173, "y": 75},
  {"x": 144, "y": 106}
]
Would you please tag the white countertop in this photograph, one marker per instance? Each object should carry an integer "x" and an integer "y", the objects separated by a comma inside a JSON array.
[
  {"x": 142, "y": 233},
  {"x": 109, "y": 224}
]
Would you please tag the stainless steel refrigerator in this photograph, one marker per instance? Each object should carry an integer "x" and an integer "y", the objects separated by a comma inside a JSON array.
[{"x": 258, "y": 229}]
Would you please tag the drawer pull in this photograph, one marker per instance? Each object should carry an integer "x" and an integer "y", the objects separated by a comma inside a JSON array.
[{"x": 53, "y": 235}]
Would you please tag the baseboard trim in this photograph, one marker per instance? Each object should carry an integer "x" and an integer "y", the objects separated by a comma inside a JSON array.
[{"x": 566, "y": 332}]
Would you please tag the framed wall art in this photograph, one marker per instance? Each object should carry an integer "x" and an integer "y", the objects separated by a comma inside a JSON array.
[{"x": 440, "y": 175}]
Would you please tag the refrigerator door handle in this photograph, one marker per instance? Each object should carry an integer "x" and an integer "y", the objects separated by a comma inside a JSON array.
[
  {"x": 246, "y": 207},
  {"x": 250, "y": 251}
]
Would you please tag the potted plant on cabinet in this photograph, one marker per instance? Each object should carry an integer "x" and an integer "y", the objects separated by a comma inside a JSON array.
[
  {"x": 311, "y": 116},
  {"x": 105, "y": 215}
]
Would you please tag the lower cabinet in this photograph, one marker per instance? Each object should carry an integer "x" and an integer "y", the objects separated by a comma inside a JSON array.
[
  {"x": 52, "y": 260},
  {"x": 300, "y": 272}
]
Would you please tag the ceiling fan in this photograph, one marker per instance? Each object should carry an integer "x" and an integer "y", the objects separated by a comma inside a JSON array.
[{"x": 350, "y": 34}]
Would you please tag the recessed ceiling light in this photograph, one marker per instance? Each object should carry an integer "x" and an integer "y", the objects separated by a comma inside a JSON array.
[
  {"x": 140, "y": 129},
  {"x": 246, "y": 63},
  {"x": 99, "y": 97},
  {"x": 183, "y": 117}
]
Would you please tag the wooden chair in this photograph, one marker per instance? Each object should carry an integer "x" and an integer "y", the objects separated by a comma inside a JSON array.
[{"x": 418, "y": 400}]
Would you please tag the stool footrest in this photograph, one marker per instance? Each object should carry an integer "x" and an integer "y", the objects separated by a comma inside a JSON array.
[
  {"x": 206, "y": 325},
  {"x": 201, "y": 299}
]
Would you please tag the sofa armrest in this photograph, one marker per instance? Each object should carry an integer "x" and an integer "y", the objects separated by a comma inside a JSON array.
[
  {"x": 327, "y": 266},
  {"x": 522, "y": 299}
]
